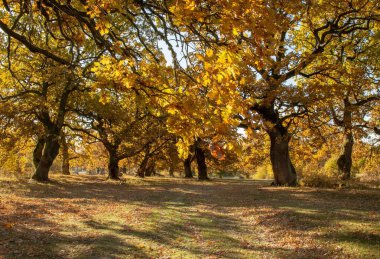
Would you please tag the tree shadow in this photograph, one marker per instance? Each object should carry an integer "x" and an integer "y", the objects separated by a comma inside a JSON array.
[
  {"x": 33, "y": 237},
  {"x": 206, "y": 212}
]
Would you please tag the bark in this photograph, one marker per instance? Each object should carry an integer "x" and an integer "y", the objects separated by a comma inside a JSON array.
[
  {"x": 171, "y": 169},
  {"x": 113, "y": 166},
  {"x": 187, "y": 167},
  {"x": 49, "y": 154},
  {"x": 143, "y": 166},
  {"x": 283, "y": 169},
  {"x": 65, "y": 157},
  {"x": 150, "y": 169},
  {"x": 52, "y": 139},
  {"x": 345, "y": 159},
  {"x": 201, "y": 162},
  {"x": 37, "y": 153}
]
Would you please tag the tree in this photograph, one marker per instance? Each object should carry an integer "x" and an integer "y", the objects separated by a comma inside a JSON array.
[
  {"x": 259, "y": 47},
  {"x": 47, "y": 56},
  {"x": 354, "y": 79}
]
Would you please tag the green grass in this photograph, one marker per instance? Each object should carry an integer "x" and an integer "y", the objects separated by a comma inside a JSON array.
[{"x": 87, "y": 217}]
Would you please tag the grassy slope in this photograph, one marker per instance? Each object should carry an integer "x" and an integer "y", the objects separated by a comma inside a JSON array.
[{"x": 87, "y": 217}]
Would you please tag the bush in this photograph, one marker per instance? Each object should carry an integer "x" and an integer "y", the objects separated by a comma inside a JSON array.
[
  {"x": 331, "y": 167},
  {"x": 325, "y": 177},
  {"x": 319, "y": 179}
]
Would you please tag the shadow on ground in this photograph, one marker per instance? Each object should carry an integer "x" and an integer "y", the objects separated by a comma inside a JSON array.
[{"x": 87, "y": 217}]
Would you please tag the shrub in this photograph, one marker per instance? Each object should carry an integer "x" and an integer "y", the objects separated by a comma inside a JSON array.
[
  {"x": 325, "y": 177},
  {"x": 319, "y": 179},
  {"x": 331, "y": 167}
]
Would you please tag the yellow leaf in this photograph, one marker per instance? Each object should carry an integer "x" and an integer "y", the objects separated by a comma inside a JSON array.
[
  {"x": 235, "y": 32},
  {"x": 209, "y": 53},
  {"x": 220, "y": 78}
]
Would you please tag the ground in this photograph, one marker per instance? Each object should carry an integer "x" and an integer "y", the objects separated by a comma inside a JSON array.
[{"x": 88, "y": 217}]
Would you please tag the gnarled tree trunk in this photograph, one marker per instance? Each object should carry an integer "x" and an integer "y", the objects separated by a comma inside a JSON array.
[
  {"x": 113, "y": 167},
  {"x": 201, "y": 162},
  {"x": 283, "y": 169},
  {"x": 143, "y": 166},
  {"x": 50, "y": 152},
  {"x": 65, "y": 156},
  {"x": 345, "y": 159},
  {"x": 52, "y": 139},
  {"x": 151, "y": 168},
  {"x": 37, "y": 153},
  {"x": 187, "y": 167},
  {"x": 171, "y": 169}
]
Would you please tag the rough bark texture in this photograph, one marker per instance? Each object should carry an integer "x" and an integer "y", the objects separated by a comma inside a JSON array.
[
  {"x": 65, "y": 157},
  {"x": 187, "y": 167},
  {"x": 151, "y": 168},
  {"x": 113, "y": 167},
  {"x": 283, "y": 169},
  {"x": 37, "y": 153},
  {"x": 171, "y": 169},
  {"x": 201, "y": 162},
  {"x": 143, "y": 166},
  {"x": 53, "y": 129},
  {"x": 50, "y": 152},
  {"x": 345, "y": 159}
]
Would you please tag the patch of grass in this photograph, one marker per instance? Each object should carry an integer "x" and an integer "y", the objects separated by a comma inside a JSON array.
[{"x": 88, "y": 217}]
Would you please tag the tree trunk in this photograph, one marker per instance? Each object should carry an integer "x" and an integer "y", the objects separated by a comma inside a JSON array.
[
  {"x": 150, "y": 169},
  {"x": 37, "y": 153},
  {"x": 49, "y": 154},
  {"x": 65, "y": 157},
  {"x": 201, "y": 162},
  {"x": 171, "y": 169},
  {"x": 345, "y": 159},
  {"x": 283, "y": 169},
  {"x": 113, "y": 166},
  {"x": 187, "y": 167},
  {"x": 143, "y": 166},
  {"x": 124, "y": 170}
]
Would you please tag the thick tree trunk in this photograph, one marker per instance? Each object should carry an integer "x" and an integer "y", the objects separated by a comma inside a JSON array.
[
  {"x": 143, "y": 166},
  {"x": 283, "y": 169},
  {"x": 187, "y": 167},
  {"x": 49, "y": 154},
  {"x": 171, "y": 169},
  {"x": 113, "y": 166},
  {"x": 37, "y": 153},
  {"x": 52, "y": 140},
  {"x": 65, "y": 157},
  {"x": 345, "y": 159},
  {"x": 201, "y": 163},
  {"x": 150, "y": 169}
]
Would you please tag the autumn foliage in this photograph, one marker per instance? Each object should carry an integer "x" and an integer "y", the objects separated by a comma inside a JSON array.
[{"x": 286, "y": 88}]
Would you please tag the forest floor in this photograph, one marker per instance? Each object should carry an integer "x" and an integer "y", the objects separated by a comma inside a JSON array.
[{"x": 88, "y": 217}]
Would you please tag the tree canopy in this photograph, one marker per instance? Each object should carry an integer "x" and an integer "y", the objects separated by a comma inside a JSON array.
[{"x": 235, "y": 84}]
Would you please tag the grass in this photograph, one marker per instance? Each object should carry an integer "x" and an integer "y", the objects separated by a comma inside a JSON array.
[{"x": 88, "y": 217}]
